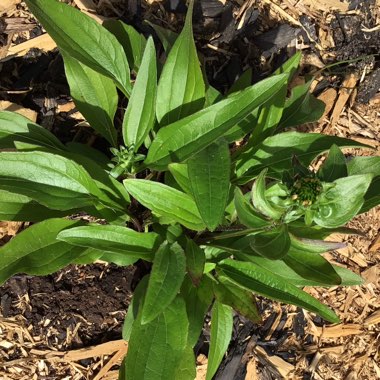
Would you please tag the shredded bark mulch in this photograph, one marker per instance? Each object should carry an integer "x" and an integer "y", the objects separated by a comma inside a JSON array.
[{"x": 68, "y": 325}]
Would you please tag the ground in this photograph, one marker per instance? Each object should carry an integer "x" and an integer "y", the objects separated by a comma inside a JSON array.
[{"x": 68, "y": 325}]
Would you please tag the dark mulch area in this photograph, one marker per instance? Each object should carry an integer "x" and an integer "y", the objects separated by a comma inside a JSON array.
[{"x": 83, "y": 306}]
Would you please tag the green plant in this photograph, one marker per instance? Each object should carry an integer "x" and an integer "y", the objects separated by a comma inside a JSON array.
[{"x": 176, "y": 193}]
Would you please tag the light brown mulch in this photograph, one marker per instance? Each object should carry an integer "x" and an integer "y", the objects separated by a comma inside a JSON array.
[{"x": 350, "y": 350}]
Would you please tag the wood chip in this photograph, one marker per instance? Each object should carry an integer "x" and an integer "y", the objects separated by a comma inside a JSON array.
[
  {"x": 328, "y": 97},
  {"x": 339, "y": 330},
  {"x": 8, "y": 106},
  {"x": 91, "y": 352},
  {"x": 6, "y": 5},
  {"x": 373, "y": 319},
  {"x": 251, "y": 370},
  {"x": 325, "y": 5},
  {"x": 278, "y": 364},
  {"x": 348, "y": 85},
  {"x": 115, "y": 360},
  {"x": 43, "y": 42},
  {"x": 375, "y": 245}
]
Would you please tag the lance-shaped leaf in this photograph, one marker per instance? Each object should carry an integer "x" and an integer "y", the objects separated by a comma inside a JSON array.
[
  {"x": 187, "y": 369},
  {"x": 166, "y": 201},
  {"x": 260, "y": 200},
  {"x": 84, "y": 39},
  {"x": 18, "y": 207},
  {"x": 244, "y": 81},
  {"x": 246, "y": 213},
  {"x": 134, "y": 307},
  {"x": 302, "y": 107},
  {"x": 121, "y": 241},
  {"x": 50, "y": 179},
  {"x": 166, "y": 36},
  {"x": 265, "y": 283},
  {"x": 334, "y": 166},
  {"x": 273, "y": 244},
  {"x": 181, "y": 175},
  {"x": 195, "y": 261},
  {"x": 168, "y": 272},
  {"x": 240, "y": 299},
  {"x": 343, "y": 201},
  {"x": 209, "y": 175},
  {"x": 198, "y": 300},
  {"x": 313, "y": 245},
  {"x": 290, "y": 66},
  {"x": 362, "y": 165},
  {"x": 312, "y": 267},
  {"x": 36, "y": 250},
  {"x": 276, "y": 152},
  {"x": 156, "y": 349},
  {"x": 221, "y": 331},
  {"x": 132, "y": 41},
  {"x": 183, "y": 138},
  {"x": 281, "y": 269},
  {"x": 94, "y": 95},
  {"x": 15, "y": 127},
  {"x": 181, "y": 89},
  {"x": 139, "y": 117}
]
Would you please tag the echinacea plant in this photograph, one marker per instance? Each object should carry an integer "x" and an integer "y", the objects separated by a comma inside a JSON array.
[{"x": 219, "y": 222}]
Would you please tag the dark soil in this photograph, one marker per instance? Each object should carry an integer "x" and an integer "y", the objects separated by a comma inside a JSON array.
[{"x": 95, "y": 297}]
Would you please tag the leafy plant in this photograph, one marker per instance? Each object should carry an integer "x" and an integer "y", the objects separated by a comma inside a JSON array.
[{"x": 219, "y": 225}]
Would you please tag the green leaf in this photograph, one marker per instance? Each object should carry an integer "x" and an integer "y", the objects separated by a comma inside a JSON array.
[
  {"x": 246, "y": 213},
  {"x": 183, "y": 138},
  {"x": 339, "y": 204},
  {"x": 187, "y": 369},
  {"x": 302, "y": 107},
  {"x": 268, "y": 285},
  {"x": 94, "y": 95},
  {"x": 83, "y": 39},
  {"x": 209, "y": 175},
  {"x": 139, "y": 117},
  {"x": 198, "y": 300},
  {"x": 166, "y": 201},
  {"x": 49, "y": 179},
  {"x": 132, "y": 42},
  {"x": 15, "y": 127},
  {"x": 166, "y": 36},
  {"x": 260, "y": 201},
  {"x": 272, "y": 244},
  {"x": 156, "y": 349},
  {"x": 36, "y": 250},
  {"x": 221, "y": 331},
  {"x": 281, "y": 269},
  {"x": 363, "y": 165},
  {"x": 276, "y": 152},
  {"x": 124, "y": 243},
  {"x": 195, "y": 261},
  {"x": 313, "y": 246},
  {"x": 165, "y": 280},
  {"x": 18, "y": 207},
  {"x": 181, "y": 175},
  {"x": 244, "y": 81},
  {"x": 212, "y": 96},
  {"x": 134, "y": 307},
  {"x": 181, "y": 89},
  {"x": 88, "y": 256},
  {"x": 240, "y": 299},
  {"x": 312, "y": 267},
  {"x": 268, "y": 118},
  {"x": 290, "y": 66},
  {"x": 334, "y": 166}
]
